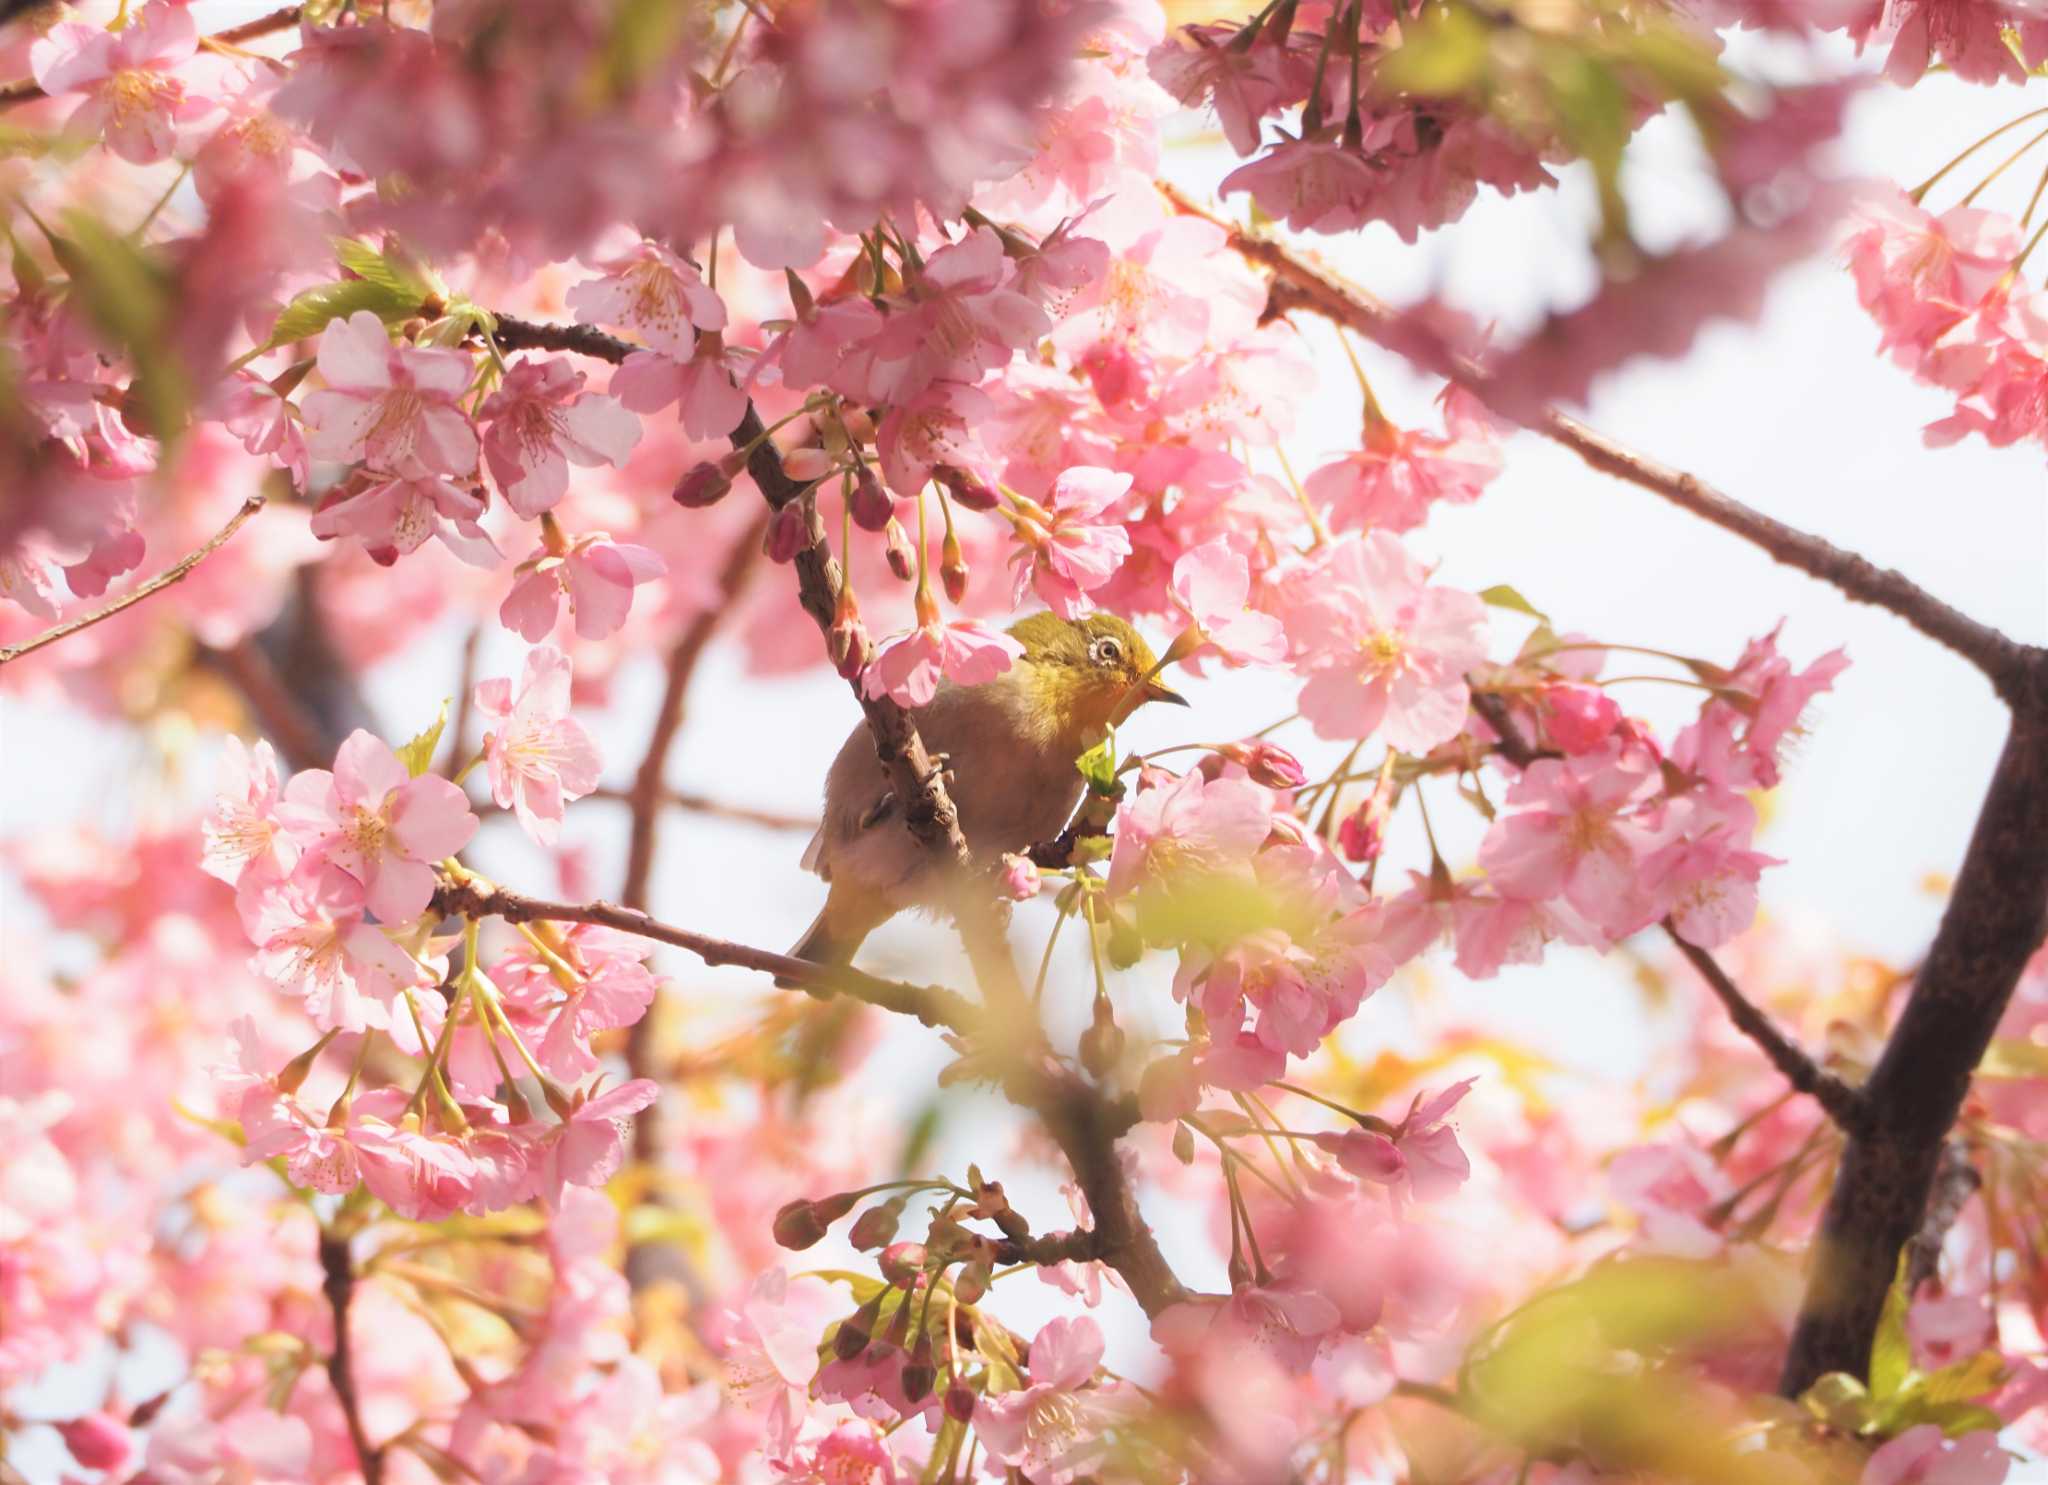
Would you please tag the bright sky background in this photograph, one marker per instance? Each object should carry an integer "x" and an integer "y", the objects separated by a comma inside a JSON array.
[{"x": 1795, "y": 416}]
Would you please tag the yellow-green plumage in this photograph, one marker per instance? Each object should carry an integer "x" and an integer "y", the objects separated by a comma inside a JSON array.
[{"x": 1009, "y": 747}]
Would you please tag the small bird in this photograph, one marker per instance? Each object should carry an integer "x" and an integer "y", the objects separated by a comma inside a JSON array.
[{"x": 1009, "y": 748}]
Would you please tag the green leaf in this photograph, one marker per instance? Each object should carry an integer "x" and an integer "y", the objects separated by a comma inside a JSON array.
[
  {"x": 387, "y": 270},
  {"x": 1445, "y": 53},
  {"x": 1840, "y": 1401},
  {"x": 945, "y": 1448},
  {"x": 1500, "y": 595},
  {"x": 1891, "y": 1353},
  {"x": 318, "y": 307},
  {"x": 1098, "y": 767},
  {"x": 126, "y": 292},
  {"x": 1965, "y": 1381},
  {"x": 418, "y": 755},
  {"x": 864, "y": 1286}
]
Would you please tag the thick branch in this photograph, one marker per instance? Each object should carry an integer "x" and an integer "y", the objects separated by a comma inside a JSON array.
[
  {"x": 164, "y": 579},
  {"x": 26, "y": 90},
  {"x": 1301, "y": 283},
  {"x": 930, "y": 1004},
  {"x": 1994, "y": 922},
  {"x": 1843, "y": 1104},
  {"x": 339, "y": 1285}
]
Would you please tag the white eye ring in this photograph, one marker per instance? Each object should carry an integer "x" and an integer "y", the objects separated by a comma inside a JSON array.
[{"x": 1107, "y": 652}]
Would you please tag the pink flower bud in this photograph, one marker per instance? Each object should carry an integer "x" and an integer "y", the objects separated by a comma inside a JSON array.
[
  {"x": 1360, "y": 836},
  {"x": 701, "y": 485},
  {"x": 786, "y": 534},
  {"x": 953, "y": 569},
  {"x": 968, "y": 492},
  {"x": 902, "y": 561},
  {"x": 971, "y": 1283},
  {"x": 1267, "y": 764},
  {"x": 870, "y": 504},
  {"x": 1579, "y": 718},
  {"x": 901, "y": 1263},
  {"x": 797, "y": 1225},
  {"x": 876, "y": 1227},
  {"x": 1020, "y": 878},
  {"x": 807, "y": 466},
  {"x": 959, "y": 1403},
  {"x": 97, "y": 1441}
]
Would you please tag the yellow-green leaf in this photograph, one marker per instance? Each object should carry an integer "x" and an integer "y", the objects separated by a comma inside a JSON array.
[
  {"x": 1444, "y": 54},
  {"x": 418, "y": 755},
  {"x": 1891, "y": 1353},
  {"x": 1500, "y": 595},
  {"x": 125, "y": 291},
  {"x": 311, "y": 312},
  {"x": 1098, "y": 766},
  {"x": 2010, "y": 1057}
]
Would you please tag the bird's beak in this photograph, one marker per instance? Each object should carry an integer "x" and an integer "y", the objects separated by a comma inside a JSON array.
[{"x": 1156, "y": 692}]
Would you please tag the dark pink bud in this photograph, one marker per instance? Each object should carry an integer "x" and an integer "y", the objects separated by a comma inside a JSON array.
[
  {"x": 959, "y": 1402},
  {"x": 901, "y": 1263},
  {"x": 902, "y": 561},
  {"x": 701, "y": 485},
  {"x": 1360, "y": 836},
  {"x": 870, "y": 504},
  {"x": 876, "y": 1227},
  {"x": 1102, "y": 1044},
  {"x": 798, "y": 1225},
  {"x": 953, "y": 569},
  {"x": 1579, "y": 718},
  {"x": 786, "y": 534},
  {"x": 968, "y": 492},
  {"x": 97, "y": 1441},
  {"x": 1267, "y": 764}
]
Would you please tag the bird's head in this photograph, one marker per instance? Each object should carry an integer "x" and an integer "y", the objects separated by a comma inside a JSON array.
[{"x": 1089, "y": 674}]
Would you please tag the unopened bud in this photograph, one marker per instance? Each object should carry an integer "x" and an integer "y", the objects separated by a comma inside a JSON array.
[
  {"x": 1183, "y": 1144},
  {"x": 856, "y": 1330},
  {"x": 1360, "y": 835},
  {"x": 295, "y": 1071},
  {"x": 97, "y": 1441},
  {"x": 798, "y": 1225},
  {"x": 1013, "y": 1224},
  {"x": 876, "y": 1227},
  {"x": 1272, "y": 766},
  {"x": 959, "y": 1403},
  {"x": 919, "y": 1375},
  {"x": 701, "y": 485},
  {"x": 971, "y": 1283},
  {"x": 1102, "y": 1044},
  {"x": 968, "y": 492},
  {"x": 953, "y": 569},
  {"x": 786, "y": 534},
  {"x": 902, "y": 560},
  {"x": 869, "y": 503},
  {"x": 807, "y": 465},
  {"x": 901, "y": 1263}
]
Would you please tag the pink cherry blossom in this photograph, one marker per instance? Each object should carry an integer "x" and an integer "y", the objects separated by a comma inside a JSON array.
[
  {"x": 1391, "y": 483},
  {"x": 1670, "y": 1188},
  {"x": 1383, "y": 650},
  {"x": 1919, "y": 275},
  {"x": 587, "y": 1148},
  {"x": 312, "y": 941},
  {"x": 1922, "y": 1455},
  {"x": 1706, "y": 876},
  {"x": 936, "y": 427},
  {"x": 539, "y": 422},
  {"x": 1212, "y": 584},
  {"x": 596, "y": 574},
  {"x": 393, "y": 406},
  {"x": 131, "y": 100},
  {"x": 962, "y": 322},
  {"x": 966, "y": 651},
  {"x": 1038, "y": 1428},
  {"x": 243, "y": 832},
  {"x": 539, "y": 756},
  {"x": 1187, "y": 827},
  {"x": 1579, "y": 719},
  {"x": 655, "y": 294},
  {"x": 381, "y": 826},
  {"x": 394, "y": 517},
  {"x": 1571, "y": 834},
  {"x": 1071, "y": 544},
  {"x": 708, "y": 398}
]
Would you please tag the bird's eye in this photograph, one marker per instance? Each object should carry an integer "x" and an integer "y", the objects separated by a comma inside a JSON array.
[{"x": 1108, "y": 652}]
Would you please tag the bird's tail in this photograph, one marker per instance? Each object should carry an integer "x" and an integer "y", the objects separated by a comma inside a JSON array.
[{"x": 831, "y": 939}]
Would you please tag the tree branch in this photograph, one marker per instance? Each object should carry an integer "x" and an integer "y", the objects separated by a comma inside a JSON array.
[
  {"x": 339, "y": 1284},
  {"x": 1301, "y": 283},
  {"x": 1956, "y": 1180},
  {"x": 164, "y": 579},
  {"x": 1843, "y": 1103},
  {"x": 1994, "y": 922},
  {"x": 930, "y": 1004},
  {"x": 26, "y": 91}
]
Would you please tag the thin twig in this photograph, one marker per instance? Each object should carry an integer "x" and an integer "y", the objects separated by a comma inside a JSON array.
[
  {"x": 339, "y": 1284},
  {"x": 1956, "y": 1180},
  {"x": 277, "y": 711},
  {"x": 1299, "y": 282},
  {"x": 164, "y": 579},
  {"x": 1843, "y": 1104},
  {"x": 931, "y": 1004},
  {"x": 27, "y": 91}
]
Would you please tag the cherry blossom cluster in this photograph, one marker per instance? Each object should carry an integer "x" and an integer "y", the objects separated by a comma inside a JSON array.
[{"x": 1946, "y": 292}]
